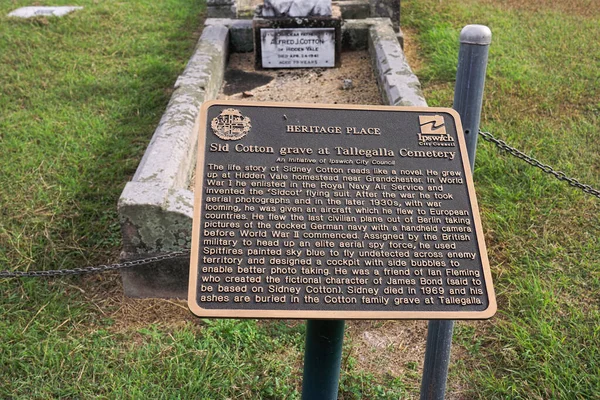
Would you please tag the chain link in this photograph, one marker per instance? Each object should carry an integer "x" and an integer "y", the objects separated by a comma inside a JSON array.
[
  {"x": 544, "y": 167},
  {"x": 95, "y": 269}
]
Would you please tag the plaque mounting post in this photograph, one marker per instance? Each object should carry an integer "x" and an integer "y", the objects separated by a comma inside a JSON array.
[
  {"x": 322, "y": 359},
  {"x": 468, "y": 98}
]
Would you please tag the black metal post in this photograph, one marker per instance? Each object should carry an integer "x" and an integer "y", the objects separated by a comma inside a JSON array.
[
  {"x": 468, "y": 99},
  {"x": 322, "y": 359}
]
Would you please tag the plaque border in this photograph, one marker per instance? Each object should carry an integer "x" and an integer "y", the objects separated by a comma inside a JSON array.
[{"x": 336, "y": 314}]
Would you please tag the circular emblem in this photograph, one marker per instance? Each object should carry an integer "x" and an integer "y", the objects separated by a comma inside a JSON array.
[{"x": 230, "y": 125}]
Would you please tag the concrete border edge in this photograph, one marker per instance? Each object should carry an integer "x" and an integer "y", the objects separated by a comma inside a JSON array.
[{"x": 156, "y": 207}]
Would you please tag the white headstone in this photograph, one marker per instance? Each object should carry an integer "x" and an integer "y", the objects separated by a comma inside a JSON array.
[
  {"x": 298, "y": 47},
  {"x": 297, "y": 8},
  {"x": 29, "y": 12}
]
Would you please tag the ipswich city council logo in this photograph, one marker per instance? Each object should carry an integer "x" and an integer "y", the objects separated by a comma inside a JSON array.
[
  {"x": 433, "y": 131},
  {"x": 231, "y": 125}
]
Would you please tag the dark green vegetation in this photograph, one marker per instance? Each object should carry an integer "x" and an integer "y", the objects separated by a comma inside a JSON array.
[
  {"x": 542, "y": 95},
  {"x": 80, "y": 99}
]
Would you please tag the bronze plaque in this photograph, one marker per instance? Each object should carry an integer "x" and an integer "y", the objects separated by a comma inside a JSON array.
[{"x": 337, "y": 212}]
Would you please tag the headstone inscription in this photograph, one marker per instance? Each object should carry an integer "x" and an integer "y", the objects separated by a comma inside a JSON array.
[
  {"x": 321, "y": 211},
  {"x": 297, "y": 34}
]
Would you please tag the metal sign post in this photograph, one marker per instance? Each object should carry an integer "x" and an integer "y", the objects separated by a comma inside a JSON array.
[
  {"x": 322, "y": 359},
  {"x": 468, "y": 98}
]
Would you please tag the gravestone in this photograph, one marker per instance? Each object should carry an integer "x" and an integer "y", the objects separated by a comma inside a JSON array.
[
  {"x": 297, "y": 34},
  {"x": 296, "y": 8}
]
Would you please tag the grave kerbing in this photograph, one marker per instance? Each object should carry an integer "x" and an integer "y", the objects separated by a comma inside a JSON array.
[{"x": 155, "y": 208}]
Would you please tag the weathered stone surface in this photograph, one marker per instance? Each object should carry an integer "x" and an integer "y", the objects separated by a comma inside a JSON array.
[
  {"x": 355, "y": 9},
  {"x": 241, "y": 38},
  {"x": 386, "y": 9},
  {"x": 169, "y": 279},
  {"x": 226, "y": 22},
  {"x": 155, "y": 208},
  {"x": 355, "y": 34},
  {"x": 246, "y": 9},
  {"x": 398, "y": 84},
  {"x": 296, "y": 8},
  {"x": 218, "y": 3},
  {"x": 221, "y": 8},
  {"x": 30, "y": 12}
]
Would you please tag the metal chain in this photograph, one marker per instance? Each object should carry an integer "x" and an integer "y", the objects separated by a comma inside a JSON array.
[
  {"x": 544, "y": 167},
  {"x": 92, "y": 270}
]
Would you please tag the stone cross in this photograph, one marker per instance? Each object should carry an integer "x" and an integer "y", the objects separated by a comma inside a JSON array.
[{"x": 297, "y": 8}]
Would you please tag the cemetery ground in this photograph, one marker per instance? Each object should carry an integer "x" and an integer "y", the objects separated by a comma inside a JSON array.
[{"x": 81, "y": 96}]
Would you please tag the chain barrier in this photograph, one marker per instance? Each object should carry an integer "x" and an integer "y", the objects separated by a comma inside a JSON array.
[
  {"x": 168, "y": 256},
  {"x": 92, "y": 270},
  {"x": 544, "y": 167}
]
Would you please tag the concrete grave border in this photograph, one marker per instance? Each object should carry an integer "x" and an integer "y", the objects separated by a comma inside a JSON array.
[{"x": 156, "y": 206}]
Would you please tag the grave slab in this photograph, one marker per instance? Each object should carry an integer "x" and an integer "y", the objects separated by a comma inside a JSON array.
[{"x": 35, "y": 11}]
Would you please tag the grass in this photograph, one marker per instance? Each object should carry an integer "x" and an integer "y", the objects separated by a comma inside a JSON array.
[
  {"x": 542, "y": 96},
  {"x": 80, "y": 99},
  {"x": 206, "y": 360}
]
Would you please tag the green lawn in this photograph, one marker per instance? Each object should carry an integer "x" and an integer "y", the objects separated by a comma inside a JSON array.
[
  {"x": 543, "y": 96},
  {"x": 81, "y": 96}
]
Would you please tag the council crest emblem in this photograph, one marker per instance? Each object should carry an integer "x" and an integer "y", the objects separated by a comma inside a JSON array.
[
  {"x": 231, "y": 125},
  {"x": 433, "y": 131}
]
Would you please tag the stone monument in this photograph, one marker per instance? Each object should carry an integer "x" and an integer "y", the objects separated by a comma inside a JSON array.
[
  {"x": 221, "y": 8},
  {"x": 297, "y": 34},
  {"x": 297, "y": 8}
]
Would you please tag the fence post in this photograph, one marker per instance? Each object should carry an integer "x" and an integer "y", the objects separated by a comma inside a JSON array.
[
  {"x": 322, "y": 359},
  {"x": 468, "y": 99},
  {"x": 470, "y": 80}
]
